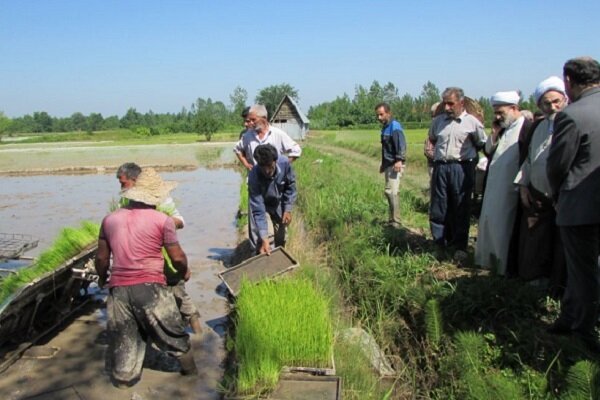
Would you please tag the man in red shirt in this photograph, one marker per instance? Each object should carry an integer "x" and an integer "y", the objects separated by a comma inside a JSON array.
[{"x": 139, "y": 305}]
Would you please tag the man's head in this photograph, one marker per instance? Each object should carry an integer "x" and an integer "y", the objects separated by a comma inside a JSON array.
[
  {"x": 127, "y": 174},
  {"x": 258, "y": 118},
  {"x": 149, "y": 188},
  {"x": 244, "y": 114},
  {"x": 266, "y": 158},
  {"x": 550, "y": 96},
  {"x": 384, "y": 113},
  {"x": 580, "y": 73},
  {"x": 454, "y": 101},
  {"x": 506, "y": 108}
]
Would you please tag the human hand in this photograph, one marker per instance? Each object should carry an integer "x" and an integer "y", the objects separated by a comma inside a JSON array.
[
  {"x": 287, "y": 218},
  {"x": 265, "y": 247},
  {"x": 525, "y": 195},
  {"x": 398, "y": 166}
]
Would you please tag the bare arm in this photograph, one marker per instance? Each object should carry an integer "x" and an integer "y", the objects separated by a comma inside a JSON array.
[
  {"x": 102, "y": 261},
  {"x": 179, "y": 260}
]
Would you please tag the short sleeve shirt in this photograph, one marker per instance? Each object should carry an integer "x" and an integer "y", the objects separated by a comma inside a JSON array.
[{"x": 136, "y": 237}]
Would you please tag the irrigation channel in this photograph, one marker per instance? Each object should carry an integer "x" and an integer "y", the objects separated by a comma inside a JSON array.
[{"x": 70, "y": 362}]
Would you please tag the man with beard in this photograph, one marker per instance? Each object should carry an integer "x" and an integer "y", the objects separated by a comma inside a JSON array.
[
  {"x": 457, "y": 136},
  {"x": 573, "y": 169},
  {"x": 540, "y": 248},
  {"x": 500, "y": 198},
  {"x": 260, "y": 132}
]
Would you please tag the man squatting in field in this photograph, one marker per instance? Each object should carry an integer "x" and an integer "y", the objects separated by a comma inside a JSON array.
[
  {"x": 272, "y": 191},
  {"x": 393, "y": 156},
  {"x": 457, "y": 136},
  {"x": 139, "y": 304},
  {"x": 258, "y": 132},
  {"x": 127, "y": 175}
]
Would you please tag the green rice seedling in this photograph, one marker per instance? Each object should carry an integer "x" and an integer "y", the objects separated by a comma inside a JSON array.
[
  {"x": 280, "y": 323},
  {"x": 67, "y": 244}
]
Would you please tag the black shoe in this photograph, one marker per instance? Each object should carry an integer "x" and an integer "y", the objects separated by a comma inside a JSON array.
[{"x": 559, "y": 327}]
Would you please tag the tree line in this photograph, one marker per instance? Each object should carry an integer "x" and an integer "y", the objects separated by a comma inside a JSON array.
[{"x": 205, "y": 116}]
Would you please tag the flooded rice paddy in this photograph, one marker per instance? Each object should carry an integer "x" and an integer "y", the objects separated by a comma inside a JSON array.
[{"x": 41, "y": 205}]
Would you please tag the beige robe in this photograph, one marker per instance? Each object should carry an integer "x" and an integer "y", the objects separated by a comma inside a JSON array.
[{"x": 500, "y": 201}]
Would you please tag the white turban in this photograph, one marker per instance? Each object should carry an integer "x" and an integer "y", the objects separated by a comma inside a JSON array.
[
  {"x": 552, "y": 83},
  {"x": 504, "y": 98}
]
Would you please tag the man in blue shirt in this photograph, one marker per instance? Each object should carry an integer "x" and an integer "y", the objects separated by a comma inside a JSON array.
[
  {"x": 393, "y": 155},
  {"x": 272, "y": 191}
]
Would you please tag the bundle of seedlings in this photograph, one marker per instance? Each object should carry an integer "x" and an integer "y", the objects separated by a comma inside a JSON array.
[
  {"x": 279, "y": 323},
  {"x": 69, "y": 243}
]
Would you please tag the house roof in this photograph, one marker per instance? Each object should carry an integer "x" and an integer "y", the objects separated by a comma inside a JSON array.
[{"x": 303, "y": 117}]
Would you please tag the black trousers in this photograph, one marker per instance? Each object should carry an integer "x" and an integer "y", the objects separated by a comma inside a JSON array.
[
  {"x": 580, "y": 303},
  {"x": 450, "y": 205}
]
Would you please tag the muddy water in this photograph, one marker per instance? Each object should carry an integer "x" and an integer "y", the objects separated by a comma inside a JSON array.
[{"x": 42, "y": 205}]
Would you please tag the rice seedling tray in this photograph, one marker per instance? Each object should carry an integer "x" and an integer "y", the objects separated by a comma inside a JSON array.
[
  {"x": 302, "y": 386},
  {"x": 319, "y": 371},
  {"x": 13, "y": 245},
  {"x": 258, "y": 268}
]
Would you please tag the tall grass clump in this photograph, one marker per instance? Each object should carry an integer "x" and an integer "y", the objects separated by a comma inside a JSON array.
[
  {"x": 68, "y": 243},
  {"x": 279, "y": 323}
]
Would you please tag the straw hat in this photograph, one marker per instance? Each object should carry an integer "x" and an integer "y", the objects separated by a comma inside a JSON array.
[{"x": 149, "y": 188}]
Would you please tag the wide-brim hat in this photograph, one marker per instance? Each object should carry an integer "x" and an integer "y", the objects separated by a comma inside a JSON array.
[{"x": 149, "y": 188}]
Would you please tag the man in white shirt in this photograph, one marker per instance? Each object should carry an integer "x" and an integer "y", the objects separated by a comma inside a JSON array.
[{"x": 261, "y": 132}]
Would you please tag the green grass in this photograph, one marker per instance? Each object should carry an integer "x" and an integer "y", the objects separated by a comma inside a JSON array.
[
  {"x": 390, "y": 277},
  {"x": 68, "y": 243},
  {"x": 280, "y": 323}
]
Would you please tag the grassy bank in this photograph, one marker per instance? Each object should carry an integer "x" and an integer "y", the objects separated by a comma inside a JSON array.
[{"x": 452, "y": 333}]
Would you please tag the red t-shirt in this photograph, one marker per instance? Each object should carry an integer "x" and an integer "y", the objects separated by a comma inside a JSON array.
[{"x": 135, "y": 237}]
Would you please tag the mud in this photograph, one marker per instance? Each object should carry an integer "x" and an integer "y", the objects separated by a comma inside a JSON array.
[{"x": 41, "y": 205}]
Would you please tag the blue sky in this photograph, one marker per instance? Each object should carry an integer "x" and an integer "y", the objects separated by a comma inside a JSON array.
[{"x": 106, "y": 56}]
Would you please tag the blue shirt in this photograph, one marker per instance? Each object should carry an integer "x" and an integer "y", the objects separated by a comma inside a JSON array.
[
  {"x": 393, "y": 144},
  {"x": 274, "y": 195}
]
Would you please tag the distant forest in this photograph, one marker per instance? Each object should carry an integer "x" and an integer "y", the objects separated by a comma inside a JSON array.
[{"x": 206, "y": 116}]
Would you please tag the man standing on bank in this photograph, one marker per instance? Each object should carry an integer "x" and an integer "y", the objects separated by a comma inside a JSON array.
[
  {"x": 139, "y": 304},
  {"x": 457, "y": 136},
  {"x": 393, "y": 156},
  {"x": 573, "y": 169},
  {"x": 272, "y": 192}
]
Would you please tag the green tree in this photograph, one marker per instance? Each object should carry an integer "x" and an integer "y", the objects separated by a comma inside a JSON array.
[
  {"x": 78, "y": 121},
  {"x": 271, "y": 96},
  {"x": 238, "y": 99},
  {"x": 209, "y": 117},
  {"x": 5, "y": 123},
  {"x": 94, "y": 122},
  {"x": 131, "y": 119},
  {"x": 42, "y": 122}
]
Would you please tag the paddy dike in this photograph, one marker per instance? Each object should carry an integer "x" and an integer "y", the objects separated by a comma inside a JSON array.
[{"x": 38, "y": 198}]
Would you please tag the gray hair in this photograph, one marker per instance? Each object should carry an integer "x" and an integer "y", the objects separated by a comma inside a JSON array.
[
  {"x": 259, "y": 110},
  {"x": 460, "y": 94},
  {"x": 130, "y": 170}
]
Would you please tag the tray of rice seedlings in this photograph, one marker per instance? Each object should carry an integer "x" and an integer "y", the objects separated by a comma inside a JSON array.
[
  {"x": 36, "y": 295},
  {"x": 258, "y": 268},
  {"x": 280, "y": 325}
]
